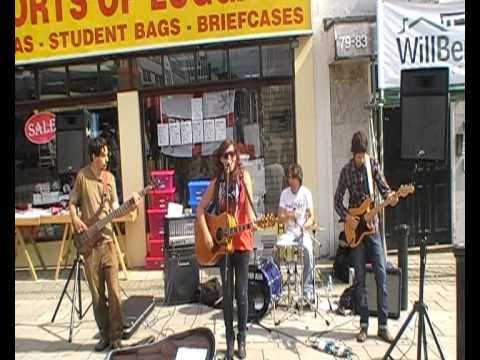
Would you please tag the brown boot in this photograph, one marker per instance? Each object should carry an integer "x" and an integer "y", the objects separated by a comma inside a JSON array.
[
  {"x": 385, "y": 335},
  {"x": 362, "y": 335}
]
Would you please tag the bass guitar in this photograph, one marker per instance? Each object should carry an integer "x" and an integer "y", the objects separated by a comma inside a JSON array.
[
  {"x": 366, "y": 213},
  {"x": 222, "y": 235},
  {"x": 86, "y": 240}
]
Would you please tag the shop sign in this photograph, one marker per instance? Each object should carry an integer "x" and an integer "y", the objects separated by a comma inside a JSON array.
[
  {"x": 52, "y": 30},
  {"x": 40, "y": 128},
  {"x": 420, "y": 35}
]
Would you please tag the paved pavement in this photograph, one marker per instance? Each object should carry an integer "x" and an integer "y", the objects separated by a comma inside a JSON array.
[{"x": 36, "y": 337}]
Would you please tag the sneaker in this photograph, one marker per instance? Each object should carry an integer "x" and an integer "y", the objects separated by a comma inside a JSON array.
[
  {"x": 385, "y": 335},
  {"x": 362, "y": 335},
  {"x": 101, "y": 345}
]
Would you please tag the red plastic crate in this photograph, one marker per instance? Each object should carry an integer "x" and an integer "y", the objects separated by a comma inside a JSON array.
[
  {"x": 156, "y": 220},
  {"x": 154, "y": 262},
  {"x": 160, "y": 199},
  {"x": 163, "y": 180},
  {"x": 156, "y": 248}
]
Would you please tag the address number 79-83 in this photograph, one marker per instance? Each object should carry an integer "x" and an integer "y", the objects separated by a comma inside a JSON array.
[{"x": 359, "y": 41}]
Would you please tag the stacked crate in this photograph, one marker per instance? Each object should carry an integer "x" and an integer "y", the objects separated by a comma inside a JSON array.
[
  {"x": 196, "y": 188},
  {"x": 159, "y": 198}
]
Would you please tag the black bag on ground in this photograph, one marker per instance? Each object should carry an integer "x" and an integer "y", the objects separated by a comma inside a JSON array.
[
  {"x": 346, "y": 304},
  {"x": 210, "y": 293},
  {"x": 342, "y": 261}
]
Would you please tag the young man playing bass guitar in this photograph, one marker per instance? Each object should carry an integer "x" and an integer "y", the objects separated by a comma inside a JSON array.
[
  {"x": 354, "y": 177},
  {"x": 96, "y": 195}
]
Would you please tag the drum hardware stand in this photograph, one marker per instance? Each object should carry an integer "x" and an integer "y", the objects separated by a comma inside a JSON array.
[
  {"x": 77, "y": 294},
  {"x": 419, "y": 305}
]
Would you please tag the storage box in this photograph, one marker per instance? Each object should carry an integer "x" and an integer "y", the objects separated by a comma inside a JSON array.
[
  {"x": 196, "y": 189},
  {"x": 156, "y": 220},
  {"x": 160, "y": 199},
  {"x": 163, "y": 180},
  {"x": 154, "y": 262},
  {"x": 156, "y": 247}
]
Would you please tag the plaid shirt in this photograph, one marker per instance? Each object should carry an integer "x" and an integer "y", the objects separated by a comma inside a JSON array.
[{"x": 355, "y": 180}]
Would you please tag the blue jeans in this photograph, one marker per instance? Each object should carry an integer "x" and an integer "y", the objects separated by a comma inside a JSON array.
[
  {"x": 373, "y": 244},
  {"x": 237, "y": 263}
]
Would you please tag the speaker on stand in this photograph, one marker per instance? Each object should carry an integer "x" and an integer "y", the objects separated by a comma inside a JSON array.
[{"x": 71, "y": 142}]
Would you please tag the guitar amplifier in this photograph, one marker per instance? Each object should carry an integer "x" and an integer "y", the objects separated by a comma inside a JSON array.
[
  {"x": 181, "y": 280},
  {"x": 394, "y": 291},
  {"x": 180, "y": 234}
]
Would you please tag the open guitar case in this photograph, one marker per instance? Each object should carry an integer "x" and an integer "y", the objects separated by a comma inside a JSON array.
[{"x": 170, "y": 347}]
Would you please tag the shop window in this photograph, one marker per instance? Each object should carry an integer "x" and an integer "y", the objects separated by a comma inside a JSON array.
[
  {"x": 150, "y": 69},
  {"x": 53, "y": 82},
  {"x": 113, "y": 75},
  {"x": 83, "y": 79},
  {"x": 260, "y": 120},
  {"x": 276, "y": 60},
  {"x": 212, "y": 65},
  {"x": 179, "y": 68},
  {"x": 244, "y": 62},
  {"x": 25, "y": 87}
]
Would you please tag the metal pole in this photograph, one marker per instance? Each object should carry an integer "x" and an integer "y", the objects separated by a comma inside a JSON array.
[
  {"x": 402, "y": 232},
  {"x": 380, "y": 160}
]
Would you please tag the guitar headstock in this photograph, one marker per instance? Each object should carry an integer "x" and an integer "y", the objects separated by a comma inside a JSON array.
[
  {"x": 267, "y": 221},
  {"x": 405, "y": 190}
]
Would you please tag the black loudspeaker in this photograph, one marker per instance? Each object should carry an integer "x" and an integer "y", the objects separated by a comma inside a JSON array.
[
  {"x": 181, "y": 280},
  {"x": 394, "y": 291},
  {"x": 70, "y": 120},
  {"x": 72, "y": 150},
  {"x": 424, "y": 113}
]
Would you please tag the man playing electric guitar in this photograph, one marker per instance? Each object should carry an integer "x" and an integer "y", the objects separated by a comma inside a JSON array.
[
  {"x": 354, "y": 177},
  {"x": 95, "y": 192},
  {"x": 215, "y": 200}
]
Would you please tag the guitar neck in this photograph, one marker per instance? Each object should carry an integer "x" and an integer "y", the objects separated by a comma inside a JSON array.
[
  {"x": 120, "y": 211},
  {"x": 239, "y": 228}
]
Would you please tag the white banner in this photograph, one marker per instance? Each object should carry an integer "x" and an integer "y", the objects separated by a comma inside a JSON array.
[{"x": 419, "y": 35}]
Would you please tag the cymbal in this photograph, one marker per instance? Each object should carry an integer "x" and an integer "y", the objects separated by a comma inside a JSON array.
[{"x": 316, "y": 227}]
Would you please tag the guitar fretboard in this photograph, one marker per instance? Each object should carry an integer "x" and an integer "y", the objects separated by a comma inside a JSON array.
[
  {"x": 237, "y": 229},
  {"x": 121, "y": 210}
]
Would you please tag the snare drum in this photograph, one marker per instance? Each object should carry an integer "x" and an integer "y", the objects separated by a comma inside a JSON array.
[
  {"x": 264, "y": 288},
  {"x": 288, "y": 253}
]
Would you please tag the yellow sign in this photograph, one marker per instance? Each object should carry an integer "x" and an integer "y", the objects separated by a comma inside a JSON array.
[{"x": 61, "y": 29}]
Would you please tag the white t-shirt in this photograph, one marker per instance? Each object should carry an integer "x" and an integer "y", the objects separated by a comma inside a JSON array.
[{"x": 299, "y": 203}]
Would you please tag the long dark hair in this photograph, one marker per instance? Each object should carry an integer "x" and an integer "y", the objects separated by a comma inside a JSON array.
[{"x": 218, "y": 159}]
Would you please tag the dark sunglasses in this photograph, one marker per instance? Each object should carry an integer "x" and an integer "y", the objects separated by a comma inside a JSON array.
[{"x": 228, "y": 154}]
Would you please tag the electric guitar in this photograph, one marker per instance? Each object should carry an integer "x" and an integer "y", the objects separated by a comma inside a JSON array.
[
  {"x": 86, "y": 240},
  {"x": 222, "y": 236},
  {"x": 366, "y": 213}
]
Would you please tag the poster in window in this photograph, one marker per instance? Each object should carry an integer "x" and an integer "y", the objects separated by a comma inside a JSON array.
[
  {"x": 174, "y": 132},
  {"x": 197, "y": 109},
  {"x": 186, "y": 132},
  {"x": 220, "y": 129},
  {"x": 162, "y": 134},
  {"x": 209, "y": 130},
  {"x": 197, "y": 131}
]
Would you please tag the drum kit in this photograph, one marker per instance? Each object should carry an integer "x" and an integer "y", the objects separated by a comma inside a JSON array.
[{"x": 277, "y": 281}]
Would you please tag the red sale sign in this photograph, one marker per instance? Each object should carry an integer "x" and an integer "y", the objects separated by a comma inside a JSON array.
[{"x": 40, "y": 128}]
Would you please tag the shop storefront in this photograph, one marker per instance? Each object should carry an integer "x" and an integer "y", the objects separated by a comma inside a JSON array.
[{"x": 147, "y": 85}]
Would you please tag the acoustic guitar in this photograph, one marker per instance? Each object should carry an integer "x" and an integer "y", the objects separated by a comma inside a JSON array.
[
  {"x": 366, "y": 213},
  {"x": 86, "y": 240},
  {"x": 222, "y": 235}
]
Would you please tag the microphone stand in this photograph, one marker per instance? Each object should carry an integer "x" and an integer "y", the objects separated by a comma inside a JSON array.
[{"x": 227, "y": 283}]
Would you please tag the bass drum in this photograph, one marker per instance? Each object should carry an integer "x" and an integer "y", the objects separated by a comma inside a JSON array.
[{"x": 264, "y": 288}]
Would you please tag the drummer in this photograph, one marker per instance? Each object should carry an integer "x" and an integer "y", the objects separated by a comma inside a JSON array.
[{"x": 295, "y": 211}]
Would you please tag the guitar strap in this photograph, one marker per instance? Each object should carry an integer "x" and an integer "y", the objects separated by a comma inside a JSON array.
[
  {"x": 249, "y": 197},
  {"x": 369, "y": 176}
]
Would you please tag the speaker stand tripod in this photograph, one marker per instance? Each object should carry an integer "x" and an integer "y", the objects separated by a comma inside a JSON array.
[
  {"x": 76, "y": 296},
  {"x": 419, "y": 307}
]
